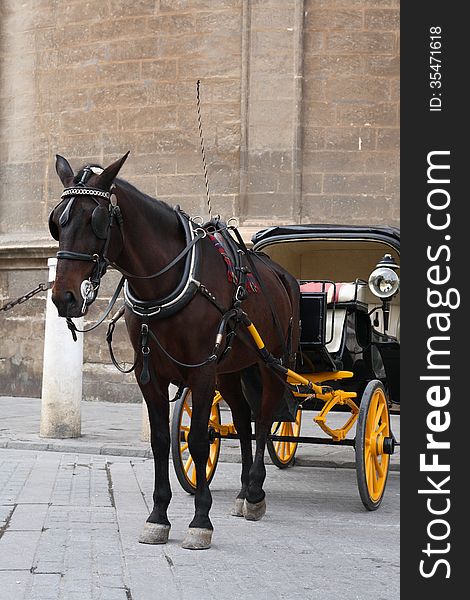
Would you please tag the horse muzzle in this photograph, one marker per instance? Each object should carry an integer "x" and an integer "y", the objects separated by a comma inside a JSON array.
[{"x": 66, "y": 303}]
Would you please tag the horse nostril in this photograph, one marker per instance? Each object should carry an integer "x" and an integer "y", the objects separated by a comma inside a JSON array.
[{"x": 65, "y": 302}]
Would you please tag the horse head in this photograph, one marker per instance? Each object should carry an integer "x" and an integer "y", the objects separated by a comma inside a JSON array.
[{"x": 81, "y": 224}]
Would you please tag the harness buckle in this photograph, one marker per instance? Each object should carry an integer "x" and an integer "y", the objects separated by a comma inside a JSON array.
[
  {"x": 240, "y": 293},
  {"x": 144, "y": 336}
]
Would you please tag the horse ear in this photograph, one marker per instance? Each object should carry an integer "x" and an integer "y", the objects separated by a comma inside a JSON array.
[
  {"x": 107, "y": 177},
  {"x": 64, "y": 170}
]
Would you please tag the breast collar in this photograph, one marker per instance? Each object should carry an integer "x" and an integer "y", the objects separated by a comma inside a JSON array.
[{"x": 184, "y": 291}]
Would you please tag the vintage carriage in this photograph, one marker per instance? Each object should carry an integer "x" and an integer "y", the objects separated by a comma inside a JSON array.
[{"x": 348, "y": 358}]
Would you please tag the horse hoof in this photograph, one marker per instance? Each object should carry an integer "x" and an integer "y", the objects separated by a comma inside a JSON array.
[
  {"x": 237, "y": 510},
  {"x": 154, "y": 533},
  {"x": 254, "y": 512},
  {"x": 197, "y": 539}
]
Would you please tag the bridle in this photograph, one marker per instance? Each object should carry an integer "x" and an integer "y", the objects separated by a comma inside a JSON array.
[{"x": 101, "y": 221}]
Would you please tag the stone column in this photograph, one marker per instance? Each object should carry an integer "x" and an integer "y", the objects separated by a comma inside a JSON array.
[
  {"x": 270, "y": 148},
  {"x": 62, "y": 374},
  {"x": 145, "y": 435}
]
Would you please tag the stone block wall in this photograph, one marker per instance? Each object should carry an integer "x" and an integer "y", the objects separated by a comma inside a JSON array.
[
  {"x": 300, "y": 108},
  {"x": 351, "y": 118}
]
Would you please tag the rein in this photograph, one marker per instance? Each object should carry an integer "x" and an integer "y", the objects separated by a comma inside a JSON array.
[
  {"x": 73, "y": 328},
  {"x": 170, "y": 265}
]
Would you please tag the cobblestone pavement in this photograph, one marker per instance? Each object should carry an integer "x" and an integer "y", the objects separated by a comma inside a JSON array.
[{"x": 69, "y": 525}]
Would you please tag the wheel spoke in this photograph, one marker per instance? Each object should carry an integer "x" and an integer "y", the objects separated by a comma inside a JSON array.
[
  {"x": 187, "y": 409},
  {"x": 188, "y": 463},
  {"x": 284, "y": 451},
  {"x": 382, "y": 426},
  {"x": 377, "y": 415},
  {"x": 378, "y": 467},
  {"x": 184, "y": 447},
  {"x": 288, "y": 449}
]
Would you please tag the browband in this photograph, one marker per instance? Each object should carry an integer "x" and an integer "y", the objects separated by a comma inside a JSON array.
[{"x": 84, "y": 192}]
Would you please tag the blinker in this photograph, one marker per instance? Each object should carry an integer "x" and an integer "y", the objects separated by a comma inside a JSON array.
[
  {"x": 64, "y": 217},
  {"x": 54, "y": 230},
  {"x": 99, "y": 221}
]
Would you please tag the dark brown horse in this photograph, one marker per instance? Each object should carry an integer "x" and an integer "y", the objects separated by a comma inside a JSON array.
[{"x": 100, "y": 221}]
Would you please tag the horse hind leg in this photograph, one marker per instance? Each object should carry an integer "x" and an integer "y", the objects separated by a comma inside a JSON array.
[
  {"x": 254, "y": 506},
  {"x": 231, "y": 390}
]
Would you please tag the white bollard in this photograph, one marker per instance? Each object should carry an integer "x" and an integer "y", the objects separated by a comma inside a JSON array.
[
  {"x": 62, "y": 373},
  {"x": 145, "y": 436}
]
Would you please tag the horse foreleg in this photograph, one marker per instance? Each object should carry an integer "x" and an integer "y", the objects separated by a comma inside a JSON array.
[
  {"x": 200, "y": 530},
  {"x": 231, "y": 390},
  {"x": 254, "y": 506},
  {"x": 157, "y": 528}
]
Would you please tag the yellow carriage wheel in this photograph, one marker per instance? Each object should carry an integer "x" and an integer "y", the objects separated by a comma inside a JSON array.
[
  {"x": 182, "y": 460},
  {"x": 283, "y": 453},
  {"x": 374, "y": 445}
]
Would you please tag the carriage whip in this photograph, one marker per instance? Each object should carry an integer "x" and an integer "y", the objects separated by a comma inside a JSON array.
[{"x": 201, "y": 138}]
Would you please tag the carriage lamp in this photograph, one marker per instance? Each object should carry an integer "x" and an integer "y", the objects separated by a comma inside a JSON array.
[{"x": 385, "y": 283}]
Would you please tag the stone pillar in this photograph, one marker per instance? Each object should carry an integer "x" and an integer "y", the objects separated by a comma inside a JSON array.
[
  {"x": 62, "y": 374},
  {"x": 145, "y": 436},
  {"x": 270, "y": 161}
]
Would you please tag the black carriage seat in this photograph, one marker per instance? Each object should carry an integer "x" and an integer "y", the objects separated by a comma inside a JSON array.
[{"x": 324, "y": 309}]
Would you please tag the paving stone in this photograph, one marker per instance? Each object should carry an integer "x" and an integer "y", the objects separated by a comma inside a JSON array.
[
  {"x": 13, "y": 584},
  {"x": 28, "y": 517},
  {"x": 45, "y": 586},
  {"x": 17, "y": 549}
]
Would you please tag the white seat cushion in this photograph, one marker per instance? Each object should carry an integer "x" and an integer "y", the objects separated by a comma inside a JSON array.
[{"x": 340, "y": 292}]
